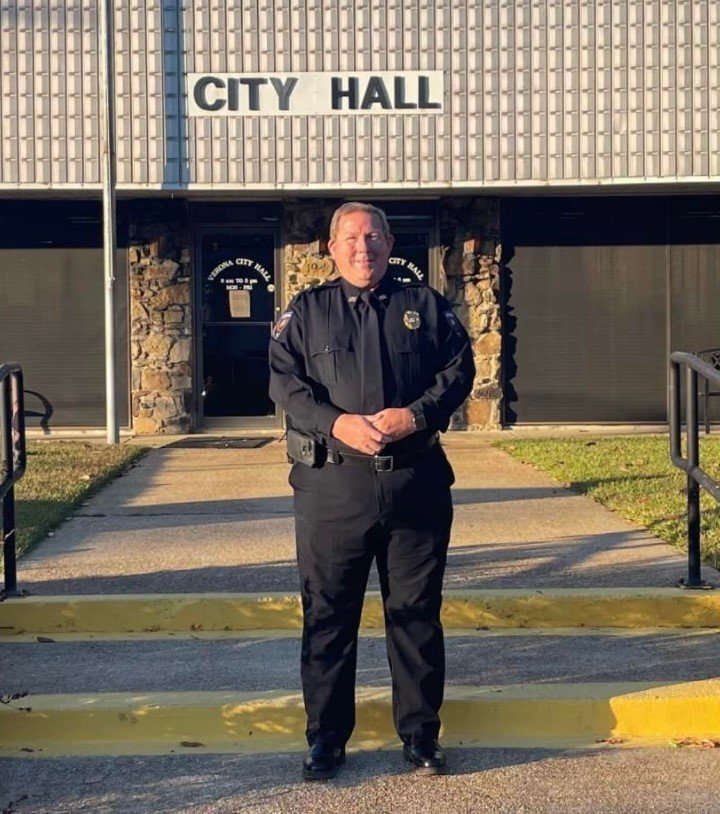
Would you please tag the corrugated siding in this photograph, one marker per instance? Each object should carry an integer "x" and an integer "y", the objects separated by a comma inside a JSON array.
[
  {"x": 560, "y": 91},
  {"x": 48, "y": 93}
]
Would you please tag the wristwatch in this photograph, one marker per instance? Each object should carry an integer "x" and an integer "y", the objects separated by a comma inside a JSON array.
[{"x": 418, "y": 419}]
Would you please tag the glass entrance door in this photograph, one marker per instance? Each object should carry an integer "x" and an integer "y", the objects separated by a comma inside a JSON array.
[
  {"x": 410, "y": 259},
  {"x": 237, "y": 303}
]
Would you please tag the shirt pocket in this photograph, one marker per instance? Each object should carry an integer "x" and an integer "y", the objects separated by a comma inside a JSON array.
[
  {"x": 416, "y": 357},
  {"x": 408, "y": 347},
  {"x": 333, "y": 360}
]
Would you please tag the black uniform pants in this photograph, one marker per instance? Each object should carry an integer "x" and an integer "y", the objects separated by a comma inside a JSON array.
[{"x": 346, "y": 516}]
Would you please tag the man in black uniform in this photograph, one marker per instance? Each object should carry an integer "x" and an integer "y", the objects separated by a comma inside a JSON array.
[{"x": 368, "y": 371}]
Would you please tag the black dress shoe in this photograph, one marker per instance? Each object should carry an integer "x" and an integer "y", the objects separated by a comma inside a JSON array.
[
  {"x": 322, "y": 760},
  {"x": 426, "y": 757}
]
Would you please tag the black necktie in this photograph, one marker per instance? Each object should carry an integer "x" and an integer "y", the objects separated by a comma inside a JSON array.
[{"x": 372, "y": 399}]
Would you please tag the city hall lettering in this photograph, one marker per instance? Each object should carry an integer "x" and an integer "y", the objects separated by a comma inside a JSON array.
[{"x": 315, "y": 94}]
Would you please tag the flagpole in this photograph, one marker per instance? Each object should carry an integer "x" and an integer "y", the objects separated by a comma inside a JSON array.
[{"x": 107, "y": 161}]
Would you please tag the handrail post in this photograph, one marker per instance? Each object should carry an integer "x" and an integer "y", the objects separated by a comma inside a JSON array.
[
  {"x": 8, "y": 501},
  {"x": 694, "y": 367},
  {"x": 675, "y": 442},
  {"x": 13, "y": 459},
  {"x": 694, "y": 579},
  {"x": 9, "y": 550},
  {"x": 706, "y": 405}
]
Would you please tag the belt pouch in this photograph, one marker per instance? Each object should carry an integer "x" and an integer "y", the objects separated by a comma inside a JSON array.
[{"x": 301, "y": 449}]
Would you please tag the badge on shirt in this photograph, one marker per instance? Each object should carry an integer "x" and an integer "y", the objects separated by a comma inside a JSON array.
[
  {"x": 281, "y": 324},
  {"x": 411, "y": 319},
  {"x": 453, "y": 321}
]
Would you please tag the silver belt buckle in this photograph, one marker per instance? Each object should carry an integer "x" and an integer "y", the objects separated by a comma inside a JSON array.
[{"x": 383, "y": 463}]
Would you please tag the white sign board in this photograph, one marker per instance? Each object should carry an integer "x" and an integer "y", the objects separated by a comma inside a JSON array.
[{"x": 315, "y": 94}]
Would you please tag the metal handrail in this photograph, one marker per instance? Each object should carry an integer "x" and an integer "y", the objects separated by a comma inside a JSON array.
[
  {"x": 696, "y": 476},
  {"x": 712, "y": 357},
  {"x": 13, "y": 460}
]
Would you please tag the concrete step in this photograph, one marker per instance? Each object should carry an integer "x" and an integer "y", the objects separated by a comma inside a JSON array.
[
  {"x": 257, "y": 663},
  {"x": 552, "y": 715},
  {"x": 135, "y": 697},
  {"x": 466, "y": 610}
]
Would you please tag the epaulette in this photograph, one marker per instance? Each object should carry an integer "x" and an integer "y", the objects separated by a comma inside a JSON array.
[{"x": 329, "y": 283}]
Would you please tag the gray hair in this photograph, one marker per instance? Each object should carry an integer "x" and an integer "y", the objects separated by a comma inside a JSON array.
[{"x": 357, "y": 206}]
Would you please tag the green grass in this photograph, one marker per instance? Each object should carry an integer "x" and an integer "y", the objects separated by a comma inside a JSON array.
[
  {"x": 59, "y": 476},
  {"x": 632, "y": 476}
]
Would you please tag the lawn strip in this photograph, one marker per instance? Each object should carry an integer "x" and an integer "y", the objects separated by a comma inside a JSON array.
[
  {"x": 60, "y": 475},
  {"x": 632, "y": 476}
]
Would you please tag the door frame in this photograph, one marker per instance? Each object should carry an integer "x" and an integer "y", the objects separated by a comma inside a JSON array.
[{"x": 270, "y": 422}]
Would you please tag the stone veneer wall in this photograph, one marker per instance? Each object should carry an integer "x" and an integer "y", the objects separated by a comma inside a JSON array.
[
  {"x": 470, "y": 279},
  {"x": 160, "y": 325},
  {"x": 470, "y": 236},
  {"x": 306, "y": 257}
]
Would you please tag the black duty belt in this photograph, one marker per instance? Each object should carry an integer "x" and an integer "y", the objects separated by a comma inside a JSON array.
[{"x": 382, "y": 463}]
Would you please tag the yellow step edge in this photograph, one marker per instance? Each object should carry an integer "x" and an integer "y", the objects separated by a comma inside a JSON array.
[
  {"x": 462, "y": 610},
  {"x": 552, "y": 715}
]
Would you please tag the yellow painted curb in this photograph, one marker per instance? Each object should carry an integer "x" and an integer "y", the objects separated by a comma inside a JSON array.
[
  {"x": 367, "y": 633},
  {"x": 551, "y": 715},
  {"x": 462, "y": 610}
]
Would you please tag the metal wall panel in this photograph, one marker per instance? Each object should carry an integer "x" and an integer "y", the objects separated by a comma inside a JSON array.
[
  {"x": 694, "y": 261},
  {"x": 51, "y": 321},
  {"x": 588, "y": 320},
  {"x": 568, "y": 92},
  {"x": 584, "y": 304}
]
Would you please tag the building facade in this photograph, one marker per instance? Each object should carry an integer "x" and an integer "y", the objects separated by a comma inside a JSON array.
[{"x": 552, "y": 167}]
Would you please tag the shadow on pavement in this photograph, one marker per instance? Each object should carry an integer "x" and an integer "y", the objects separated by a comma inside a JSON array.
[
  {"x": 483, "y": 781},
  {"x": 262, "y": 508},
  {"x": 571, "y": 562},
  {"x": 225, "y": 783}
]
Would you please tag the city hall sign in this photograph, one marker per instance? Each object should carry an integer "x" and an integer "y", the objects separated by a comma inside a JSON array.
[{"x": 315, "y": 94}]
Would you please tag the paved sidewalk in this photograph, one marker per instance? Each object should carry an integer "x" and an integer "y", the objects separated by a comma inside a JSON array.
[
  {"x": 188, "y": 520},
  {"x": 484, "y": 781},
  {"x": 221, "y": 520}
]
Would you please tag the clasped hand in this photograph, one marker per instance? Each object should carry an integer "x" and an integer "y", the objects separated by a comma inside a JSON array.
[{"x": 370, "y": 433}]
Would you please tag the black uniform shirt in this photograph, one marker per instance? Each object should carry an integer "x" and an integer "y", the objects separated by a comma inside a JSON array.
[{"x": 315, "y": 360}]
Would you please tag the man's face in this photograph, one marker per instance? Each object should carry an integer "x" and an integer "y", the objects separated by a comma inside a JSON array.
[{"x": 360, "y": 249}]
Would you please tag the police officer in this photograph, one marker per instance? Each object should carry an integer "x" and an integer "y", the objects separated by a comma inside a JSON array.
[{"x": 368, "y": 371}]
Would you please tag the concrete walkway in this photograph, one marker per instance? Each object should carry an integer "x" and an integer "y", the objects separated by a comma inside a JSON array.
[
  {"x": 188, "y": 520},
  {"x": 484, "y": 781}
]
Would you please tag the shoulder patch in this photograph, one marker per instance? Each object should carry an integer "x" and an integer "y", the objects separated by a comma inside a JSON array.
[
  {"x": 453, "y": 321},
  {"x": 282, "y": 323}
]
